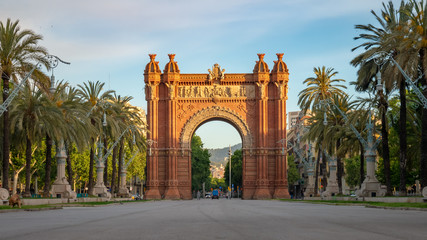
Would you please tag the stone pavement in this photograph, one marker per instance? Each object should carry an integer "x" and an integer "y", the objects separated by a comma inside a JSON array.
[{"x": 215, "y": 219}]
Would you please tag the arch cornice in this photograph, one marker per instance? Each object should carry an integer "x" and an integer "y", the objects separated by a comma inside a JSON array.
[{"x": 219, "y": 113}]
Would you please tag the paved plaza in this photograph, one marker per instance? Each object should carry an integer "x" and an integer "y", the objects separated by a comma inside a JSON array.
[{"x": 215, "y": 219}]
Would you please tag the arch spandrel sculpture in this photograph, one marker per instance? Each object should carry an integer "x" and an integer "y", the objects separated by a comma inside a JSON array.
[{"x": 254, "y": 103}]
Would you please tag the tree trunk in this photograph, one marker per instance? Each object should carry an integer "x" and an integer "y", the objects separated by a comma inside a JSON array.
[
  {"x": 15, "y": 182},
  {"x": 423, "y": 159},
  {"x": 386, "y": 149},
  {"x": 91, "y": 158},
  {"x": 316, "y": 178},
  {"x": 69, "y": 166},
  {"x": 423, "y": 154},
  {"x": 48, "y": 166},
  {"x": 6, "y": 133},
  {"x": 362, "y": 164},
  {"x": 27, "y": 192},
  {"x": 106, "y": 162},
  {"x": 324, "y": 182},
  {"x": 113, "y": 166},
  {"x": 403, "y": 139},
  {"x": 120, "y": 162},
  {"x": 339, "y": 168}
]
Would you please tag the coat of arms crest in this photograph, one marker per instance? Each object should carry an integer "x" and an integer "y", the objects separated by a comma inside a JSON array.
[{"x": 216, "y": 73}]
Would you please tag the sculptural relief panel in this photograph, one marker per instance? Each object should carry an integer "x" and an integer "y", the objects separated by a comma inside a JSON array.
[{"x": 210, "y": 91}]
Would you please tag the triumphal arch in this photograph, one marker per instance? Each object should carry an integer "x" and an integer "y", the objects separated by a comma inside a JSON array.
[{"x": 254, "y": 103}]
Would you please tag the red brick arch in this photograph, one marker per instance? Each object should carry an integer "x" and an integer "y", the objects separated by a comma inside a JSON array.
[{"x": 255, "y": 104}]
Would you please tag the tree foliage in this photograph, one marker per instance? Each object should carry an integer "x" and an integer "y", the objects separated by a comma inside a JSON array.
[
  {"x": 200, "y": 165},
  {"x": 236, "y": 169}
]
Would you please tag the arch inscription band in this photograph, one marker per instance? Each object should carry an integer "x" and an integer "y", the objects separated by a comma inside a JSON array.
[{"x": 254, "y": 103}]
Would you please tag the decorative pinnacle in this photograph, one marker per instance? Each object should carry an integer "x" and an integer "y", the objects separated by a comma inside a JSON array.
[
  {"x": 280, "y": 56},
  {"x": 152, "y": 56},
  {"x": 261, "y": 56},
  {"x": 171, "y": 57}
]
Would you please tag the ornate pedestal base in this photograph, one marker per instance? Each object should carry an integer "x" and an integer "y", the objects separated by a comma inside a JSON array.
[
  {"x": 152, "y": 193},
  {"x": 124, "y": 192},
  {"x": 172, "y": 193},
  {"x": 100, "y": 191},
  {"x": 371, "y": 188},
  {"x": 262, "y": 193},
  {"x": 281, "y": 192},
  {"x": 4, "y": 194},
  {"x": 331, "y": 190},
  {"x": 63, "y": 191}
]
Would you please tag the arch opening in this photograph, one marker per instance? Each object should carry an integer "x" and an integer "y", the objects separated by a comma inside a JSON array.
[{"x": 218, "y": 136}]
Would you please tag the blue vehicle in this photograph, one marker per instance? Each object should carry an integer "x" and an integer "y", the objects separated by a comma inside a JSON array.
[{"x": 215, "y": 194}]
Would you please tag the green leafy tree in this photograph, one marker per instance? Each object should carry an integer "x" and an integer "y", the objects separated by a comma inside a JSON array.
[
  {"x": 236, "y": 169},
  {"x": 200, "y": 164},
  {"x": 293, "y": 173},
  {"x": 352, "y": 173}
]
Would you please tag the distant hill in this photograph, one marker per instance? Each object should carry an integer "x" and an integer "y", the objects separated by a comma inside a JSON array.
[{"x": 218, "y": 154}]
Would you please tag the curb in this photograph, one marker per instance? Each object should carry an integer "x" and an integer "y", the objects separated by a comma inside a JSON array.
[
  {"x": 398, "y": 208},
  {"x": 29, "y": 209}
]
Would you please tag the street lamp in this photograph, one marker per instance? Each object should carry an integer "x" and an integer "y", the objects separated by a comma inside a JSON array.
[{"x": 229, "y": 168}]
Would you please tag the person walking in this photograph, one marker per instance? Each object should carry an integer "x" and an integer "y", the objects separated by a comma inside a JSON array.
[{"x": 198, "y": 194}]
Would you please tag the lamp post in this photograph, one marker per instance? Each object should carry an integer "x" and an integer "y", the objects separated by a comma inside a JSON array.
[
  {"x": 229, "y": 171},
  {"x": 123, "y": 190},
  {"x": 370, "y": 187},
  {"x": 100, "y": 189},
  {"x": 61, "y": 187}
]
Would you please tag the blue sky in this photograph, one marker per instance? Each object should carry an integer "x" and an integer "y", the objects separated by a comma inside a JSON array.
[{"x": 110, "y": 40}]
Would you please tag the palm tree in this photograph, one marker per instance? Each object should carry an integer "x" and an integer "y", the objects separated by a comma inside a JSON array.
[
  {"x": 18, "y": 49},
  {"x": 387, "y": 38},
  {"x": 75, "y": 128},
  {"x": 124, "y": 116},
  {"x": 320, "y": 88},
  {"x": 30, "y": 111},
  {"x": 91, "y": 93},
  {"x": 417, "y": 41}
]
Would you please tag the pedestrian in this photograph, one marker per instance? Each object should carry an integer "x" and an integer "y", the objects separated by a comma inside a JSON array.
[
  {"x": 198, "y": 194},
  {"x": 302, "y": 194}
]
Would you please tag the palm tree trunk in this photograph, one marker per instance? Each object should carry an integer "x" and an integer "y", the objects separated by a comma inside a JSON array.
[
  {"x": 423, "y": 157},
  {"x": 362, "y": 164},
  {"x": 91, "y": 158},
  {"x": 27, "y": 192},
  {"x": 69, "y": 166},
  {"x": 113, "y": 166},
  {"x": 403, "y": 139},
  {"x": 120, "y": 161},
  {"x": 6, "y": 133},
  {"x": 316, "y": 179},
  {"x": 386, "y": 149},
  {"x": 339, "y": 169},
  {"x": 106, "y": 162},
  {"x": 48, "y": 166}
]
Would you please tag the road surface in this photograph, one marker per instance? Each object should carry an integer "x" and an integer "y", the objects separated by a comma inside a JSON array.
[{"x": 215, "y": 219}]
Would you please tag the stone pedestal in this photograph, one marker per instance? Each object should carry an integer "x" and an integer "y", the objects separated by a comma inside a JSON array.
[
  {"x": 4, "y": 194},
  {"x": 371, "y": 187},
  {"x": 61, "y": 188},
  {"x": 425, "y": 192},
  {"x": 309, "y": 190},
  {"x": 100, "y": 189},
  {"x": 332, "y": 189},
  {"x": 123, "y": 190}
]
